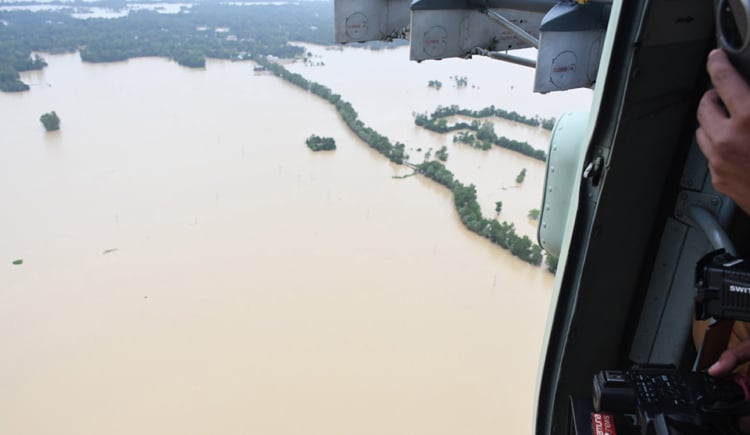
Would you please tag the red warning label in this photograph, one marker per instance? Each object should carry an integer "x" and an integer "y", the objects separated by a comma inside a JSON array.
[{"x": 603, "y": 424}]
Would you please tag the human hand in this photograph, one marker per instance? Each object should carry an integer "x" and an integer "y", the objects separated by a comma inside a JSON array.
[
  {"x": 727, "y": 362},
  {"x": 730, "y": 359},
  {"x": 724, "y": 132}
]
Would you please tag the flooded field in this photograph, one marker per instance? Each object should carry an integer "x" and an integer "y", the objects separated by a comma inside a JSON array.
[{"x": 190, "y": 267}]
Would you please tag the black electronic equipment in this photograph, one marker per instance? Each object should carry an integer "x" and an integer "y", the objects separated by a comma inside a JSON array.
[
  {"x": 664, "y": 401},
  {"x": 723, "y": 287}
]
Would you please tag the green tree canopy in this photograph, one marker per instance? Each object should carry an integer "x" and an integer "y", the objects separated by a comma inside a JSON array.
[
  {"x": 442, "y": 153},
  {"x": 317, "y": 143},
  {"x": 50, "y": 121},
  {"x": 521, "y": 176}
]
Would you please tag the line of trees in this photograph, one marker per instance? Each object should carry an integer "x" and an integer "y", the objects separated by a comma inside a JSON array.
[
  {"x": 484, "y": 137},
  {"x": 465, "y": 197},
  {"x": 534, "y": 121}
]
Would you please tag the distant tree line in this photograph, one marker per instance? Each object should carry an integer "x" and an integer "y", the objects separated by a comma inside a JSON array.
[
  {"x": 187, "y": 38},
  {"x": 318, "y": 143},
  {"x": 465, "y": 197},
  {"x": 485, "y": 135}
]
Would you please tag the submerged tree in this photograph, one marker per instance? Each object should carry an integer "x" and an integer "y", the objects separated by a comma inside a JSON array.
[
  {"x": 461, "y": 81},
  {"x": 435, "y": 84},
  {"x": 50, "y": 121},
  {"x": 442, "y": 153},
  {"x": 521, "y": 176},
  {"x": 317, "y": 143}
]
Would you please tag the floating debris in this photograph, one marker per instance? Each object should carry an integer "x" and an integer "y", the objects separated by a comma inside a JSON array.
[
  {"x": 109, "y": 251},
  {"x": 401, "y": 177},
  {"x": 18, "y": 262}
]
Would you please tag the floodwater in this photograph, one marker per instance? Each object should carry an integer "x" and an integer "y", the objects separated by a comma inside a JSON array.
[
  {"x": 190, "y": 267},
  {"x": 386, "y": 89}
]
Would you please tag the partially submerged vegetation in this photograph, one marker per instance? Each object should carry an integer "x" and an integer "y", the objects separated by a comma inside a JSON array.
[
  {"x": 490, "y": 111},
  {"x": 521, "y": 176},
  {"x": 259, "y": 33},
  {"x": 50, "y": 121},
  {"x": 318, "y": 143},
  {"x": 394, "y": 151},
  {"x": 464, "y": 197},
  {"x": 442, "y": 154},
  {"x": 461, "y": 81},
  {"x": 483, "y": 136}
]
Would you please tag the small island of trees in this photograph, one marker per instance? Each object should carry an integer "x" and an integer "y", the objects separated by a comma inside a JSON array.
[
  {"x": 437, "y": 84},
  {"x": 442, "y": 153},
  {"x": 521, "y": 176},
  {"x": 317, "y": 143},
  {"x": 50, "y": 121}
]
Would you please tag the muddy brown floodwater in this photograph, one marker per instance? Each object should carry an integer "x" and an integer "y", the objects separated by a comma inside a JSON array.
[{"x": 190, "y": 267}]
